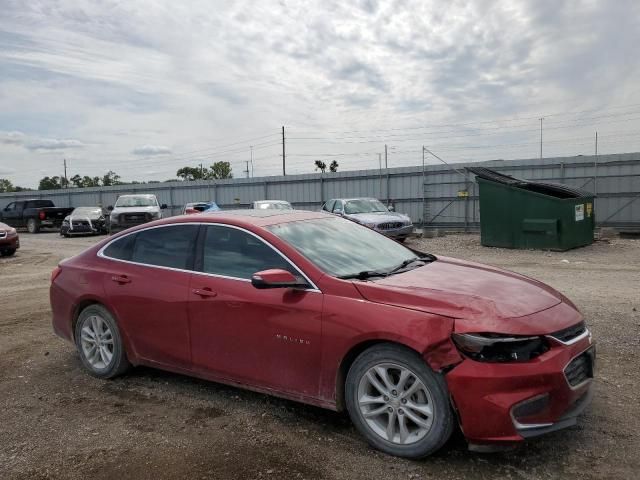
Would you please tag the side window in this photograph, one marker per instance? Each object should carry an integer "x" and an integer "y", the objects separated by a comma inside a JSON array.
[
  {"x": 121, "y": 249},
  {"x": 172, "y": 246},
  {"x": 329, "y": 205},
  {"x": 11, "y": 207},
  {"x": 337, "y": 206},
  {"x": 234, "y": 253}
]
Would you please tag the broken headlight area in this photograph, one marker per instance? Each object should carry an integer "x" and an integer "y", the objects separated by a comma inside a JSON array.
[{"x": 491, "y": 347}]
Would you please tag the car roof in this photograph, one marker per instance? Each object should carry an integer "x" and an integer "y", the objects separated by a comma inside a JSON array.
[
  {"x": 270, "y": 201},
  {"x": 354, "y": 198},
  {"x": 137, "y": 195}
]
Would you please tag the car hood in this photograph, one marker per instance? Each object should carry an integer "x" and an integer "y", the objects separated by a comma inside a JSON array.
[
  {"x": 462, "y": 290},
  {"x": 150, "y": 209},
  {"x": 377, "y": 217}
]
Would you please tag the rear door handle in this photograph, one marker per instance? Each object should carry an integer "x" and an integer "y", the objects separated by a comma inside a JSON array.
[
  {"x": 204, "y": 292},
  {"x": 120, "y": 279}
]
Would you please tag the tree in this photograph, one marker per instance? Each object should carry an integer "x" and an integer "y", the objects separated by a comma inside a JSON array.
[
  {"x": 333, "y": 167},
  {"x": 220, "y": 170},
  {"x": 111, "y": 178},
  {"x": 191, "y": 173},
  {"x": 320, "y": 165},
  {"x": 6, "y": 185},
  {"x": 77, "y": 181},
  {"x": 50, "y": 183}
]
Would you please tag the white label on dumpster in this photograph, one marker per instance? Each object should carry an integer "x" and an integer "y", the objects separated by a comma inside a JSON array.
[{"x": 579, "y": 212}]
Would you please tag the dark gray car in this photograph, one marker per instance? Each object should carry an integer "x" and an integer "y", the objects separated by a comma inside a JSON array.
[{"x": 372, "y": 213}]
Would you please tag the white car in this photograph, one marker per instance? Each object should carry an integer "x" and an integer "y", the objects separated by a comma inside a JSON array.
[
  {"x": 132, "y": 210},
  {"x": 271, "y": 205}
]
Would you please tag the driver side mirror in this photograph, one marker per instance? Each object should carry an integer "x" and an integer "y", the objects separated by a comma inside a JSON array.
[
  {"x": 391, "y": 208},
  {"x": 110, "y": 208},
  {"x": 339, "y": 212},
  {"x": 163, "y": 206},
  {"x": 276, "y": 278}
]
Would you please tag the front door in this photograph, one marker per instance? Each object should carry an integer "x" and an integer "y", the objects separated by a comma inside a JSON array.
[{"x": 269, "y": 338}]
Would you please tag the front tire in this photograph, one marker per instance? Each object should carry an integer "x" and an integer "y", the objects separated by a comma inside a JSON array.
[
  {"x": 8, "y": 252},
  {"x": 99, "y": 343},
  {"x": 398, "y": 403},
  {"x": 33, "y": 226}
]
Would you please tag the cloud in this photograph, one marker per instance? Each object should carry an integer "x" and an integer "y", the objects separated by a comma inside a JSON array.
[
  {"x": 52, "y": 144},
  {"x": 151, "y": 150},
  {"x": 12, "y": 138}
]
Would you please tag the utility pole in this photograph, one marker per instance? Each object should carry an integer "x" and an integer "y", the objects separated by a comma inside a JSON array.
[
  {"x": 380, "y": 171},
  {"x": 66, "y": 182},
  {"x": 386, "y": 167},
  {"x": 386, "y": 164},
  {"x": 424, "y": 200},
  {"x": 284, "y": 171},
  {"x": 595, "y": 169},
  {"x": 201, "y": 172},
  {"x": 247, "y": 170},
  {"x": 541, "y": 118},
  {"x": 251, "y": 148}
]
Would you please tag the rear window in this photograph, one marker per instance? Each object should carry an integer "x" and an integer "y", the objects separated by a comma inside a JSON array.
[
  {"x": 171, "y": 246},
  {"x": 121, "y": 248}
]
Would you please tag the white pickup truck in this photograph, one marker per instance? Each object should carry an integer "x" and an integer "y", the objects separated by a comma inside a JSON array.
[{"x": 132, "y": 210}]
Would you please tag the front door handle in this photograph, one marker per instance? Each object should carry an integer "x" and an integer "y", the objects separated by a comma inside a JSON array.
[
  {"x": 204, "y": 292},
  {"x": 120, "y": 279}
]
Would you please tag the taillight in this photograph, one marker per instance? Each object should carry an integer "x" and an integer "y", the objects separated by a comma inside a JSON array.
[
  {"x": 41, "y": 215},
  {"x": 55, "y": 273}
]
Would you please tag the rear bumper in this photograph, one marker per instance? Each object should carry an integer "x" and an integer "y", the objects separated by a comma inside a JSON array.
[{"x": 508, "y": 403}]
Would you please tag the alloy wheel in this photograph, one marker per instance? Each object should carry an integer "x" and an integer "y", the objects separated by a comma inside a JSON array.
[
  {"x": 395, "y": 403},
  {"x": 96, "y": 340}
]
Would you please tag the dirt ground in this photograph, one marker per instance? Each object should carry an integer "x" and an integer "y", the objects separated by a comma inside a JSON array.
[{"x": 58, "y": 422}]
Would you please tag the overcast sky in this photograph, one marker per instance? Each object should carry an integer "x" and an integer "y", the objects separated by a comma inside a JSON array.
[{"x": 143, "y": 88}]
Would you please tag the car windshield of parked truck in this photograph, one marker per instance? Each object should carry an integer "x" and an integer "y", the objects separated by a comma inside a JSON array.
[
  {"x": 343, "y": 248},
  {"x": 136, "y": 202},
  {"x": 364, "y": 206}
]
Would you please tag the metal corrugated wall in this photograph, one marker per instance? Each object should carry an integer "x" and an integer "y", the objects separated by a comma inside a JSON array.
[{"x": 617, "y": 204}]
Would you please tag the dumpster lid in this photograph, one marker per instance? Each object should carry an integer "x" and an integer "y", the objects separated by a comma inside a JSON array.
[{"x": 557, "y": 190}]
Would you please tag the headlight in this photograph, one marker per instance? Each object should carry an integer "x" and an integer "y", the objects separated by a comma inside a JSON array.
[
  {"x": 155, "y": 215},
  {"x": 113, "y": 218},
  {"x": 370, "y": 225},
  {"x": 486, "y": 347},
  {"x": 65, "y": 222},
  {"x": 12, "y": 232}
]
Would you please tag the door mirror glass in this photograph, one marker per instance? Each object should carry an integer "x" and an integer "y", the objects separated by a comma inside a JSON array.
[
  {"x": 276, "y": 278},
  {"x": 390, "y": 208},
  {"x": 110, "y": 208},
  {"x": 163, "y": 206}
]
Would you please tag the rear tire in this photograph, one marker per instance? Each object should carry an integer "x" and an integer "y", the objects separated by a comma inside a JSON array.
[
  {"x": 398, "y": 403},
  {"x": 33, "y": 226},
  {"x": 99, "y": 343},
  {"x": 401, "y": 240}
]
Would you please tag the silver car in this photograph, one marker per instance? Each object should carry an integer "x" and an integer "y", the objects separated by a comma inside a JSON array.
[{"x": 372, "y": 213}]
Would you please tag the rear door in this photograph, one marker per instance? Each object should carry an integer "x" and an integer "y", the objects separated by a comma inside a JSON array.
[
  {"x": 269, "y": 338},
  {"x": 147, "y": 283}
]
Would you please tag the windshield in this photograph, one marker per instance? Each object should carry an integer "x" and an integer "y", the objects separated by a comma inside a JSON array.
[
  {"x": 136, "y": 202},
  {"x": 364, "y": 205},
  {"x": 341, "y": 247},
  {"x": 87, "y": 211},
  {"x": 277, "y": 206}
]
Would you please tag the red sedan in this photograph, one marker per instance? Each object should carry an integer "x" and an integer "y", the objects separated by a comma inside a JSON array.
[
  {"x": 321, "y": 310},
  {"x": 9, "y": 240}
]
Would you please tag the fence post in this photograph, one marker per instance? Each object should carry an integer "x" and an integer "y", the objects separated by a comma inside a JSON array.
[
  {"x": 466, "y": 206},
  {"x": 171, "y": 198},
  {"x": 266, "y": 190}
]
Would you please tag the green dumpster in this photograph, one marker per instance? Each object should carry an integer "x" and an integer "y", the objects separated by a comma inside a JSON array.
[{"x": 517, "y": 213}]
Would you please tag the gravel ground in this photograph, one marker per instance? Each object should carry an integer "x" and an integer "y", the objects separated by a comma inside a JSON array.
[{"x": 58, "y": 422}]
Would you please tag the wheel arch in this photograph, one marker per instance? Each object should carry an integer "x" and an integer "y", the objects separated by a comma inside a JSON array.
[
  {"x": 350, "y": 357},
  {"x": 87, "y": 302}
]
